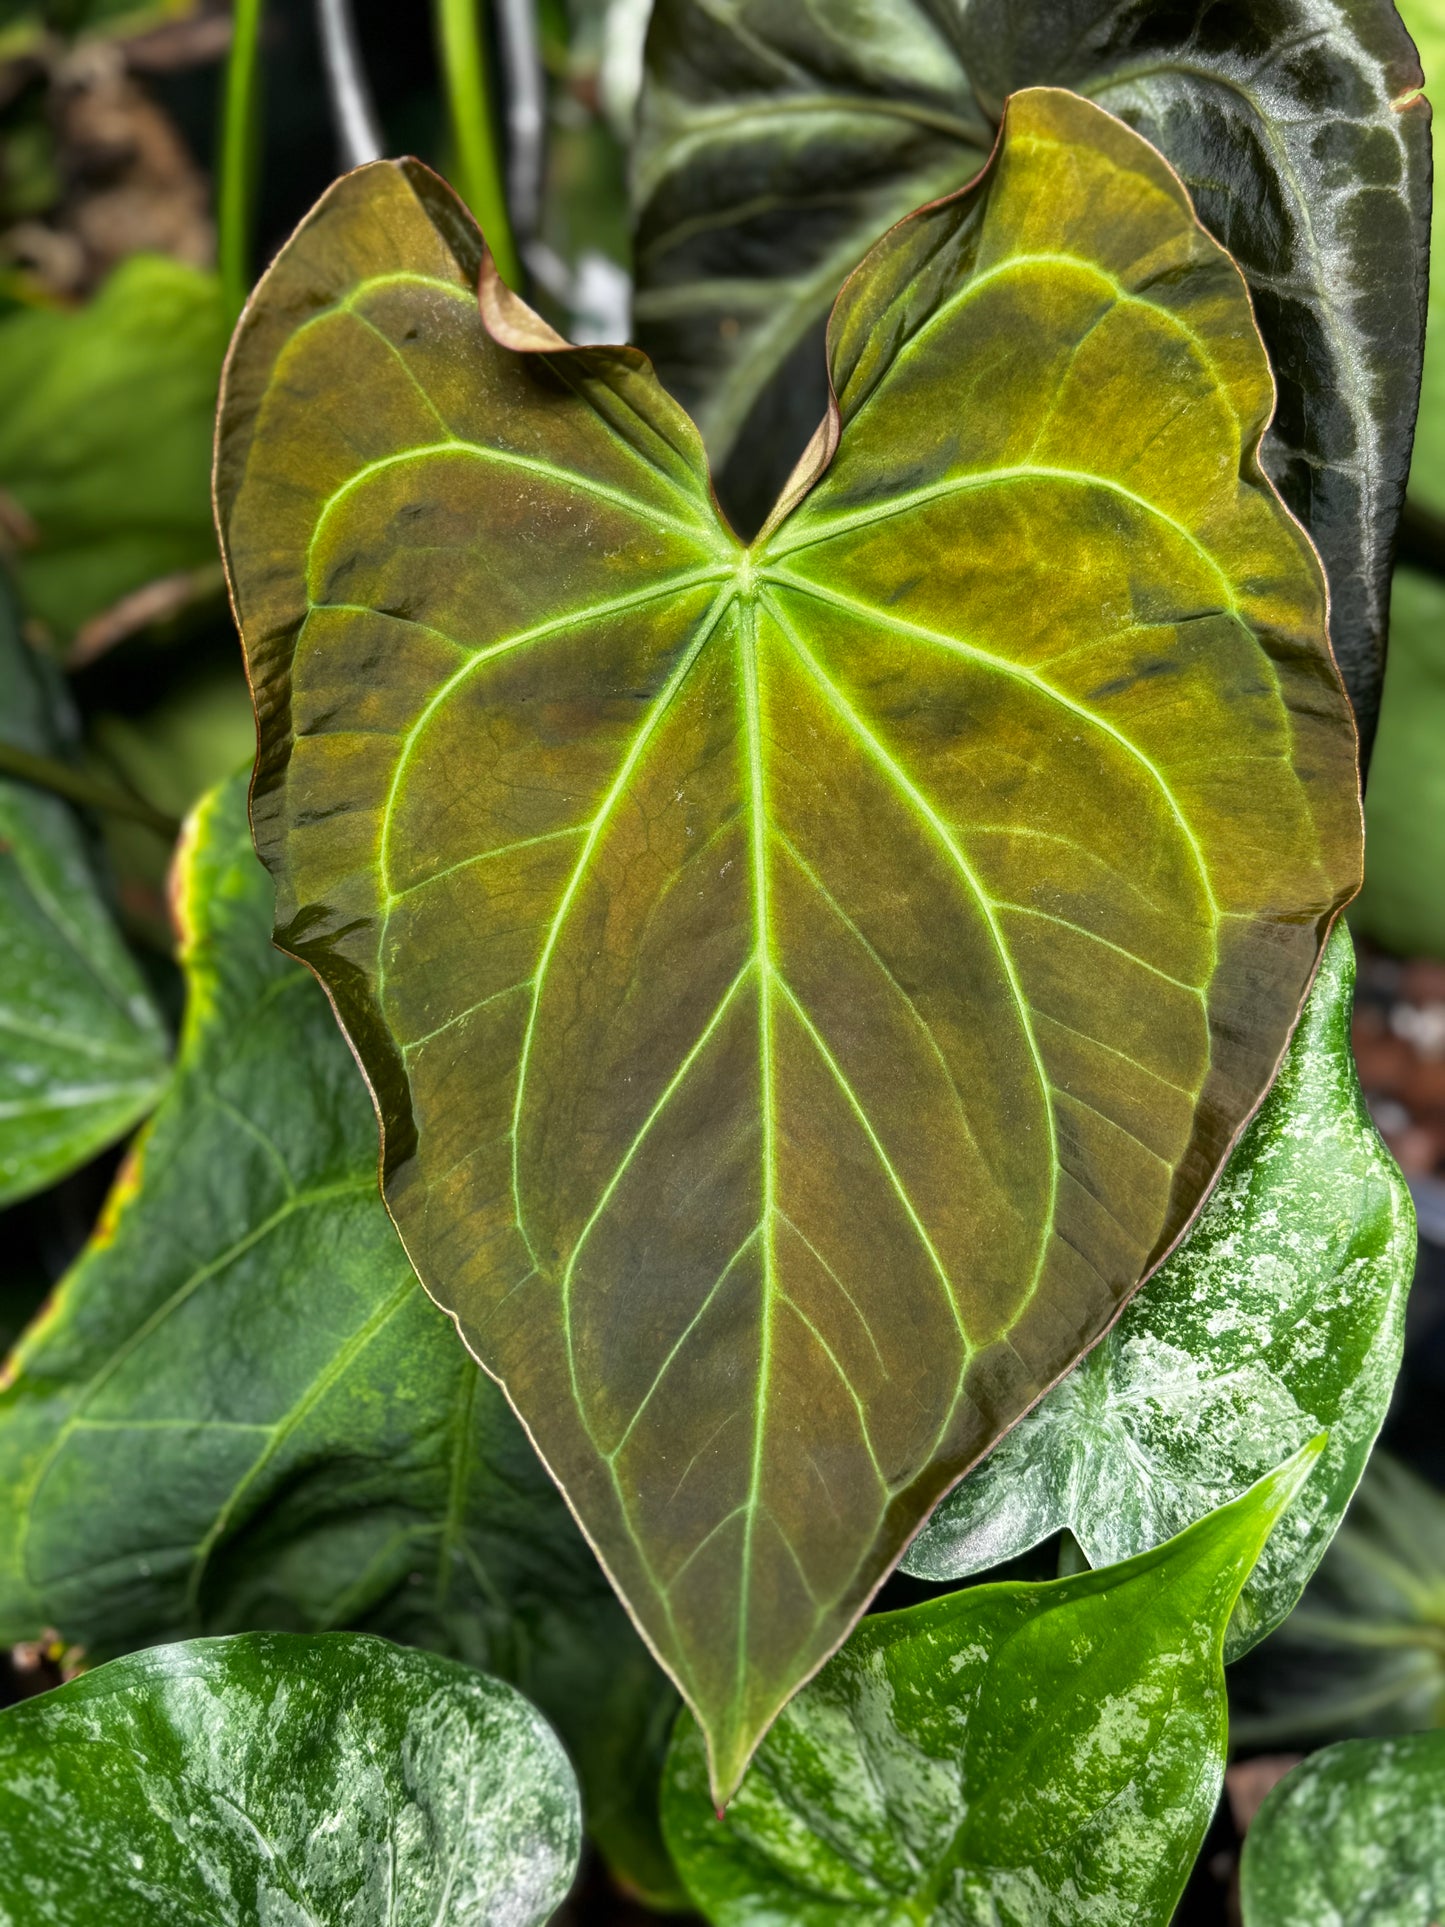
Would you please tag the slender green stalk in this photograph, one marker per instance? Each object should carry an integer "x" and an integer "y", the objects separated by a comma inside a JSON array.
[
  {"x": 236, "y": 168},
  {"x": 46, "y": 773},
  {"x": 478, "y": 160}
]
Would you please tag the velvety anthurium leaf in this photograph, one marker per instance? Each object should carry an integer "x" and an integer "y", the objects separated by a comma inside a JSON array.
[
  {"x": 105, "y": 436},
  {"x": 1031, "y": 1753},
  {"x": 1355, "y": 1834},
  {"x": 83, "y": 1051},
  {"x": 778, "y": 142},
  {"x": 1364, "y": 1651},
  {"x": 331, "y": 1782},
  {"x": 241, "y": 1410},
  {"x": 808, "y": 986},
  {"x": 1281, "y": 1315}
]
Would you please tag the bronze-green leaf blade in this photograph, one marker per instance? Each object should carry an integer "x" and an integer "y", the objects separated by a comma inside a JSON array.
[{"x": 806, "y": 987}]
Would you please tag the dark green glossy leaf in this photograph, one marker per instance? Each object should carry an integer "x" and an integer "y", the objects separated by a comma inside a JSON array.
[
  {"x": 82, "y": 1047},
  {"x": 241, "y": 1410},
  {"x": 105, "y": 437},
  {"x": 1281, "y": 1316},
  {"x": 1364, "y": 1652},
  {"x": 1040, "y": 1754},
  {"x": 778, "y": 142},
  {"x": 337, "y": 1782},
  {"x": 1354, "y": 1837},
  {"x": 809, "y": 979}
]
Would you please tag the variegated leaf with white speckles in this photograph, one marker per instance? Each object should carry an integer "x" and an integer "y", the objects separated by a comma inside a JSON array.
[
  {"x": 1280, "y": 1316},
  {"x": 332, "y": 1781},
  {"x": 1353, "y": 1837}
]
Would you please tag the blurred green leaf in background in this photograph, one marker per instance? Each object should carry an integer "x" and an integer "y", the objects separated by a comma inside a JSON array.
[
  {"x": 1354, "y": 1837},
  {"x": 106, "y": 416},
  {"x": 84, "y": 1050}
]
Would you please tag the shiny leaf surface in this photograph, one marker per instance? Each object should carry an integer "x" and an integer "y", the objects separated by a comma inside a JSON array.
[
  {"x": 1355, "y": 1834},
  {"x": 1041, "y": 1754},
  {"x": 778, "y": 142},
  {"x": 241, "y": 1410},
  {"x": 105, "y": 436},
  {"x": 337, "y": 1782},
  {"x": 1364, "y": 1651},
  {"x": 1280, "y": 1316},
  {"x": 82, "y": 1047},
  {"x": 803, "y": 979}
]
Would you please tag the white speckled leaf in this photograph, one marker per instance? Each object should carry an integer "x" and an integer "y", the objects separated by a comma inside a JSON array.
[
  {"x": 1280, "y": 1316},
  {"x": 1005, "y": 1756},
  {"x": 1354, "y": 1837},
  {"x": 285, "y": 1781}
]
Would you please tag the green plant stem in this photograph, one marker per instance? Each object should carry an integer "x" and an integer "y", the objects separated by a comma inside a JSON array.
[
  {"x": 236, "y": 170},
  {"x": 478, "y": 159},
  {"x": 46, "y": 773}
]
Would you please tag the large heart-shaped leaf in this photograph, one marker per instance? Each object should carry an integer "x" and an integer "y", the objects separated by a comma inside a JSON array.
[
  {"x": 336, "y": 1782},
  {"x": 1280, "y": 1316},
  {"x": 1034, "y": 1754},
  {"x": 1355, "y": 1834},
  {"x": 242, "y": 1411},
  {"x": 778, "y": 142},
  {"x": 807, "y": 986},
  {"x": 82, "y": 1047}
]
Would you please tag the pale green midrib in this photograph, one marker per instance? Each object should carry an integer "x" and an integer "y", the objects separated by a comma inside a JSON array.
[
  {"x": 748, "y": 674},
  {"x": 987, "y": 659},
  {"x": 210, "y": 1790}
]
